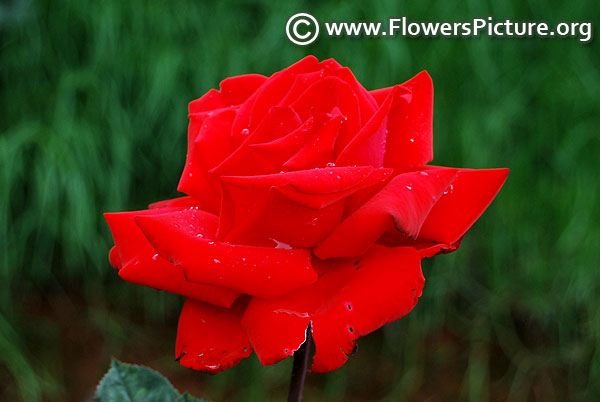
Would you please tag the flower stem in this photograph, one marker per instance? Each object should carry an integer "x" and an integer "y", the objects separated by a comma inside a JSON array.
[{"x": 301, "y": 358}]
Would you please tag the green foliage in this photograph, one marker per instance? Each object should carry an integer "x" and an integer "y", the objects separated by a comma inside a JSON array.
[
  {"x": 133, "y": 383},
  {"x": 93, "y": 119}
]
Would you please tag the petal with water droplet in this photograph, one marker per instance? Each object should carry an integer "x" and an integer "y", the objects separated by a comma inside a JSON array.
[
  {"x": 210, "y": 338},
  {"x": 382, "y": 287},
  {"x": 395, "y": 204},
  {"x": 265, "y": 272},
  {"x": 137, "y": 265}
]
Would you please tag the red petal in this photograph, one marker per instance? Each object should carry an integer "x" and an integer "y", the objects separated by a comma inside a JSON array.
[
  {"x": 301, "y": 82},
  {"x": 245, "y": 159},
  {"x": 237, "y": 89},
  {"x": 405, "y": 201},
  {"x": 234, "y": 90},
  {"x": 427, "y": 248},
  {"x": 210, "y": 338},
  {"x": 325, "y": 95},
  {"x": 139, "y": 263},
  {"x": 261, "y": 271},
  {"x": 471, "y": 192},
  {"x": 113, "y": 257},
  {"x": 321, "y": 181},
  {"x": 281, "y": 149},
  {"x": 286, "y": 221},
  {"x": 367, "y": 103},
  {"x": 210, "y": 146},
  {"x": 320, "y": 149},
  {"x": 268, "y": 95},
  {"x": 350, "y": 300},
  {"x": 368, "y": 146},
  {"x": 410, "y": 135},
  {"x": 318, "y": 201}
]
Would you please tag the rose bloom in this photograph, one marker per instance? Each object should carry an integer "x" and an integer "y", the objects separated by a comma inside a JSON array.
[{"x": 309, "y": 201}]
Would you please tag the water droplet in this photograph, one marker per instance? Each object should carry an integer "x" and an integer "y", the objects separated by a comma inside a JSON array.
[
  {"x": 424, "y": 173},
  {"x": 408, "y": 187},
  {"x": 190, "y": 174},
  {"x": 412, "y": 140},
  {"x": 338, "y": 176},
  {"x": 245, "y": 131},
  {"x": 244, "y": 259},
  {"x": 199, "y": 235},
  {"x": 282, "y": 245},
  {"x": 216, "y": 261},
  {"x": 201, "y": 354},
  {"x": 211, "y": 242},
  {"x": 330, "y": 164},
  {"x": 155, "y": 257}
]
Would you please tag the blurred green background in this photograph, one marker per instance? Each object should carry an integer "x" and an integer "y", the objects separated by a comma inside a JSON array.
[{"x": 93, "y": 107}]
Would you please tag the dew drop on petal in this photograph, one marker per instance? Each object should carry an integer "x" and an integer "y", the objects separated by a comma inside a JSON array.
[
  {"x": 155, "y": 257},
  {"x": 408, "y": 187},
  {"x": 245, "y": 131},
  {"x": 424, "y": 173},
  {"x": 216, "y": 261},
  {"x": 282, "y": 245}
]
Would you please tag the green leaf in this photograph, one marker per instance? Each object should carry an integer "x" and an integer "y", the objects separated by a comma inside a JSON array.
[
  {"x": 132, "y": 383},
  {"x": 188, "y": 398}
]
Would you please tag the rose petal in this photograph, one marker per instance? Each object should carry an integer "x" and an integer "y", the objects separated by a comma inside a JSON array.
[
  {"x": 299, "y": 85},
  {"x": 281, "y": 149},
  {"x": 318, "y": 201},
  {"x": 210, "y": 146},
  {"x": 234, "y": 90},
  {"x": 368, "y": 146},
  {"x": 245, "y": 160},
  {"x": 261, "y": 271},
  {"x": 139, "y": 263},
  {"x": 319, "y": 150},
  {"x": 113, "y": 257},
  {"x": 352, "y": 298},
  {"x": 257, "y": 216},
  {"x": 366, "y": 102},
  {"x": 427, "y": 248},
  {"x": 405, "y": 202},
  {"x": 321, "y": 181},
  {"x": 410, "y": 134},
  {"x": 253, "y": 110},
  {"x": 327, "y": 94},
  {"x": 471, "y": 192},
  {"x": 210, "y": 338}
]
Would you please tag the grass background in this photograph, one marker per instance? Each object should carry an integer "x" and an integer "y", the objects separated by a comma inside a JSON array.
[{"x": 93, "y": 118}]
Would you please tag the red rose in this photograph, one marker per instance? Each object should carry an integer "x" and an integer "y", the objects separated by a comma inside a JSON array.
[{"x": 309, "y": 201}]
